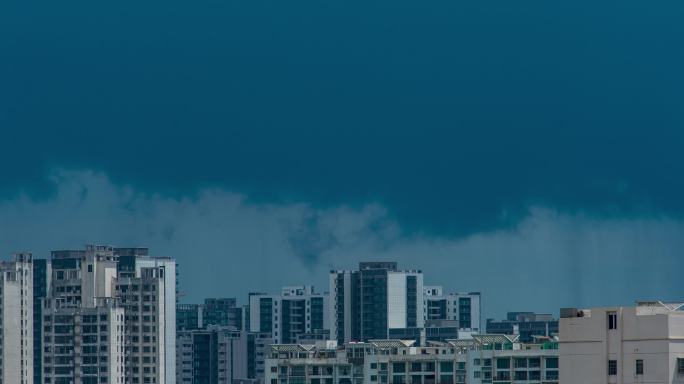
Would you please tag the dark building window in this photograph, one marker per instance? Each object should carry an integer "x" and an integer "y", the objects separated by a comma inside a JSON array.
[
  {"x": 612, "y": 320},
  {"x": 639, "y": 367},
  {"x": 464, "y": 311},
  {"x": 411, "y": 301},
  {"x": 612, "y": 367},
  {"x": 266, "y": 315},
  {"x": 551, "y": 362}
]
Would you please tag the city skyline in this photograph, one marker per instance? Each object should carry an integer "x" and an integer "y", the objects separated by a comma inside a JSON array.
[
  {"x": 341, "y": 192},
  {"x": 503, "y": 146},
  {"x": 486, "y": 312}
]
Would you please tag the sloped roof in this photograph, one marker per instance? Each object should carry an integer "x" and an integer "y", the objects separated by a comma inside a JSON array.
[
  {"x": 461, "y": 343},
  {"x": 391, "y": 343},
  {"x": 495, "y": 339},
  {"x": 292, "y": 347}
]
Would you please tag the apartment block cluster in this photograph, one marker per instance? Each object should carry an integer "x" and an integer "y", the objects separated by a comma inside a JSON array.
[
  {"x": 96, "y": 315},
  {"x": 105, "y": 314}
]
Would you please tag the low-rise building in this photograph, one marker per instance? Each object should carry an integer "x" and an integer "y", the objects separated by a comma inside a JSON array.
[
  {"x": 640, "y": 344},
  {"x": 481, "y": 359}
]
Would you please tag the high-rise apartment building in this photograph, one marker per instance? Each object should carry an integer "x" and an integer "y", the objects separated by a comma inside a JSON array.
[
  {"x": 640, "y": 344},
  {"x": 462, "y": 307},
  {"x": 131, "y": 263},
  {"x": 144, "y": 301},
  {"x": 83, "y": 344},
  {"x": 16, "y": 320},
  {"x": 80, "y": 278},
  {"x": 295, "y": 311},
  {"x": 367, "y": 303}
]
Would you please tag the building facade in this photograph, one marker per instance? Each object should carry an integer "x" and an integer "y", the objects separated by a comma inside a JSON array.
[
  {"x": 188, "y": 317},
  {"x": 135, "y": 263},
  {"x": 367, "y": 303},
  {"x": 297, "y": 310},
  {"x": 80, "y": 278},
  {"x": 525, "y": 324},
  {"x": 83, "y": 344},
  {"x": 482, "y": 359},
  {"x": 462, "y": 307},
  {"x": 41, "y": 291},
  {"x": 640, "y": 344},
  {"x": 222, "y": 312},
  {"x": 16, "y": 320},
  {"x": 144, "y": 301},
  {"x": 220, "y": 355}
]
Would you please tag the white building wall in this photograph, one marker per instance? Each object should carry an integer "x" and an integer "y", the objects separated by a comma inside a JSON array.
[
  {"x": 254, "y": 313},
  {"x": 587, "y": 344},
  {"x": 396, "y": 300},
  {"x": 11, "y": 332},
  {"x": 97, "y": 279},
  {"x": 16, "y": 307},
  {"x": 169, "y": 310}
]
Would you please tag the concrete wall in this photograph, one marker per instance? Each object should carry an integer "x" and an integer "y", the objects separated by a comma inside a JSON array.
[{"x": 587, "y": 344}]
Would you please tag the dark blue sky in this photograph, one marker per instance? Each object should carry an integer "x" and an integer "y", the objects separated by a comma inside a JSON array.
[{"x": 456, "y": 117}]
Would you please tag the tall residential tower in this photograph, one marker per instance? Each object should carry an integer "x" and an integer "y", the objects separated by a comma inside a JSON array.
[{"x": 367, "y": 303}]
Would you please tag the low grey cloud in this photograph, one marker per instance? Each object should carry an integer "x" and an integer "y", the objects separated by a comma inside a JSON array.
[{"x": 227, "y": 245}]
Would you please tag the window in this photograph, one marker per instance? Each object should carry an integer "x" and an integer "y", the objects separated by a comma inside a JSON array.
[
  {"x": 639, "y": 367},
  {"x": 503, "y": 363},
  {"x": 552, "y": 362},
  {"x": 612, "y": 367},
  {"x": 612, "y": 320},
  {"x": 680, "y": 366}
]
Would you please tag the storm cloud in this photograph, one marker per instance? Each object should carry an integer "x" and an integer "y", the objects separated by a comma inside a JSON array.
[
  {"x": 500, "y": 146},
  {"x": 454, "y": 116},
  {"x": 227, "y": 245}
]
